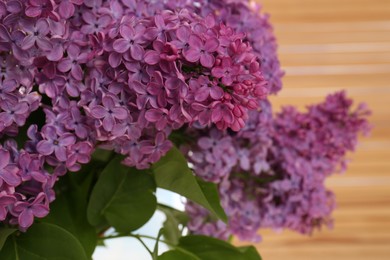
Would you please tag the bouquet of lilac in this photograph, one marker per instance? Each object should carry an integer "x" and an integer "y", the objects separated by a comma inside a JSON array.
[{"x": 95, "y": 96}]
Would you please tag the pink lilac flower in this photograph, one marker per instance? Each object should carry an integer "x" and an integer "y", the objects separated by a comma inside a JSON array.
[
  {"x": 37, "y": 8},
  {"x": 54, "y": 143},
  {"x": 73, "y": 62},
  {"x": 199, "y": 50},
  {"x": 67, "y": 8},
  {"x": 109, "y": 112},
  {"x": 159, "y": 148},
  {"x": 79, "y": 153},
  {"x": 13, "y": 113},
  {"x": 132, "y": 40},
  {"x": 36, "y": 34},
  {"x": 28, "y": 210}
]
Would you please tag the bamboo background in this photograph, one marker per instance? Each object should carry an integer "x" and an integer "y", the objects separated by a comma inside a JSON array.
[{"x": 325, "y": 46}]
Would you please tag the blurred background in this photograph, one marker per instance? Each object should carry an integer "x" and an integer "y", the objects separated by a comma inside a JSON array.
[{"x": 325, "y": 46}]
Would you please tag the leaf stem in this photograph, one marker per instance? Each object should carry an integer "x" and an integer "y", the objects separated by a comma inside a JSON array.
[
  {"x": 143, "y": 243},
  {"x": 137, "y": 236}
]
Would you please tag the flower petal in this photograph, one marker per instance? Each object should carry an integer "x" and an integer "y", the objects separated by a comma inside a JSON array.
[
  {"x": 121, "y": 45},
  {"x": 26, "y": 218},
  {"x": 192, "y": 55},
  {"x": 45, "y": 147},
  {"x": 207, "y": 60},
  {"x": 98, "y": 112},
  {"x": 152, "y": 57},
  {"x": 64, "y": 65}
]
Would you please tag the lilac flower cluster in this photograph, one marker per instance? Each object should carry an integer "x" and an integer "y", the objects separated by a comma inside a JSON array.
[
  {"x": 280, "y": 184},
  {"x": 245, "y": 16},
  {"x": 119, "y": 74}
]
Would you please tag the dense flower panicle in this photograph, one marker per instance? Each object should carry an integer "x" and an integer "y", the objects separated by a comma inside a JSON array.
[
  {"x": 244, "y": 16},
  {"x": 280, "y": 185},
  {"x": 119, "y": 74}
]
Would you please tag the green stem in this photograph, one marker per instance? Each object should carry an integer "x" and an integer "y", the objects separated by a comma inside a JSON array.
[
  {"x": 138, "y": 237},
  {"x": 146, "y": 247},
  {"x": 135, "y": 236},
  {"x": 150, "y": 237}
]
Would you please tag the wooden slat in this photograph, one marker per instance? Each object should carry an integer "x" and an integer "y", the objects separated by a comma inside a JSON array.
[{"x": 325, "y": 46}]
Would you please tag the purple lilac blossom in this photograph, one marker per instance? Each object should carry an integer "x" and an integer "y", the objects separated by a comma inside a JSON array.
[
  {"x": 276, "y": 180},
  {"x": 123, "y": 74}
]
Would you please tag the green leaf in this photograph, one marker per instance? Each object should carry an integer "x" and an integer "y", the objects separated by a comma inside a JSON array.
[
  {"x": 171, "y": 230},
  {"x": 43, "y": 241},
  {"x": 4, "y": 234},
  {"x": 250, "y": 252},
  {"x": 122, "y": 196},
  {"x": 69, "y": 212},
  {"x": 208, "y": 248},
  {"x": 178, "y": 255},
  {"x": 181, "y": 216},
  {"x": 102, "y": 155},
  {"x": 172, "y": 173},
  {"x": 174, "y": 218}
]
